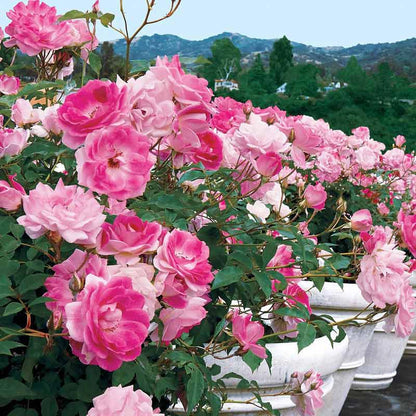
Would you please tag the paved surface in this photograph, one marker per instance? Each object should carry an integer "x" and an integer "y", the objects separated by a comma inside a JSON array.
[{"x": 398, "y": 400}]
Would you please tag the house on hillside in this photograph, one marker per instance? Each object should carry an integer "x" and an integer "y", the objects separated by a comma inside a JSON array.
[
  {"x": 226, "y": 84},
  {"x": 282, "y": 89}
]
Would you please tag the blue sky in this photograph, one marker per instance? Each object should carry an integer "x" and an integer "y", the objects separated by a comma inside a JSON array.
[{"x": 314, "y": 22}]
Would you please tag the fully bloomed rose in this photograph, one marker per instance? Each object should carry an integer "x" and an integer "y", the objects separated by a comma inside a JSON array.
[
  {"x": 11, "y": 194},
  {"x": 115, "y": 161},
  {"x": 96, "y": 105},
  {"x": 12, "y": 141},
  {"x": 209, "y": 153},
  {"x": 69, "y": 278},
  {"x": 66, "y": 210},
  {"x": 35, "y": 27},
  {"x": 247, "y": 333},
  {"x": 361, "y": 220},
  {"x": 123, "y": 401},
  {"x": 129, "y": 237},
  {"x": 107, "y": 324},
  {"x": 184, "y": 254},
  {"x": 407, "y": 224},
  {"x": 315, "y": 197},
  {"x": 9, "y": 85},
  {"x": 308, "y": 398},
  {"x": 23, "y": 113}
]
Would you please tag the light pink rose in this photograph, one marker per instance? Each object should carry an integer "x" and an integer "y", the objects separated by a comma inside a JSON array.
[
  {"x": 183, "y": 254},
  {"x": 116, "y": 207},
  {"x": 259, "y": 211},
  {"x": 151, "y": 108},
  {"x": 329, "y": 166},
  {"x": 407, "y": 224},
  {"x": 9, "y": 85},
  {"x": 383, "y": 209},
  {"x": 23, "y": 113},
  {"x": 179, "y": 321},
  {"x": 34, "y": 27},
  {"x": 247, "y": 333},
  {"x": 229, "y": 114},
  {"x": 13, "y": 141},
  {"x": 367, "y": 158},
  {"x": 96, "y": 105},
  {"x": 129, "y": 237},
  {"x": 49, "y": 119},
  {"x": 81, "y": 37},
  {"x": 315, "y": 197},
  {"x": 1, "y": 34},
  {"x": 394, "y": 159},
  {"x": 123, "y": 401},
  {"x": 383, "y": 270},
  {"x": 107, "y": 324},
  {"x": 268, "y": 164},
  {"x": 115, "y": 161},
  {"x": 67, "y": 210},
  {"x": 309, "y": 393},
  {"x": 11, "y": 194},
  {"x": 399, "y": 140},
  {"x": 284, "y": 257},
  {"x": 69, "y": 278},
  {"x": 361, "y": 220},
  {"x": 141, "y": 275},
  {"x": 306, "y": 141}
]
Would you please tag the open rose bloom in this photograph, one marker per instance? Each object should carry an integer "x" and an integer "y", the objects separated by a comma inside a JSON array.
[{"x": 147, "y": 226}]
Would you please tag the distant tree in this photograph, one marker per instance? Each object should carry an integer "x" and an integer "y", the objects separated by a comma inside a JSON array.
[
  {"x": 257, "y": 78},
  {"x": 302, "y": 80},
  {"x": 385, "y": 83},
  {"x": 112, "y": 64},
  {"x": 281, "y": 59}
]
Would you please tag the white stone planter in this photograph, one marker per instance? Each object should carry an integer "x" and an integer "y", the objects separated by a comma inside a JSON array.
[
  {"x": 319, "y": 356},
  {"x": 381, "y": 360},
  {"x": 411, "y": 343},
  {"x": 342, "y": 304}
]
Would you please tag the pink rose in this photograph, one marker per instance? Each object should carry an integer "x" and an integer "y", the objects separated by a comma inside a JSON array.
[
  {"x": 179, "y": 321},
  {"x": 107, "y": 324},
  {"x": 23, "y": 113},
  {"x": 13, "y": 141},
  {"x": 11, "y": 196},
  {"x": 399, "y": 140},
  {"x": 183, "y": 254},
  {"x": 329, "y": 166},
  {"x": 229, "y": 114},
  {"x": 69, "y": 278},
  {"x": 49, "y": 119},
  {"x": 383, "y": 209},
  {"x": 306, "y": 141},
  {"x": 209, "y": 153},
  {"x": 34, "y": 27},
  {"x": 361, "y": 220},
  {"x": 247, "y": 333},
  {"x": 1, "y": 34},
  {"x": 96, "y": 105},
  {"x": 407, "y": 225},
  {"x": 315, "y": 197},
  {"x": 81, "y": 37},
  {"x": 129, "y": 237},
  {"x": 115, "y": 161},
  {"x": 123, "y": 401},
  {"x": 9, "y": 85},
  {"x": 67, "y": 210},
  {"x": 308, "y": 392},
  {"x": 268, "y": 164}
]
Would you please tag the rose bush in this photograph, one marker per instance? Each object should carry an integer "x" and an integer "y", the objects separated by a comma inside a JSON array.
[{"x": 145, "y": 226}]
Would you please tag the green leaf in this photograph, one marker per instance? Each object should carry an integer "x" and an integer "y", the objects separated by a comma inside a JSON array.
[
  {"x": 49, "y": 407},
  {"x": 264, "y": 282},
  {"x": 95, "y": 62},
  {"x": 6, "y": 346},
  {"x": 215, "y": 403},
  {"x": 306, "y": 335},
  {"x": 8, "y": 267},
  {"x": 180, "y": 357},
  {"x": 75, "y": 409},
  {"x": 40, "y": 301},
  {"x": 9, "y": 244},
  {"x": 43, "y": 148},
  {"x": 319, "y": 282},
  {"x": 106, "y": 19},
  {"x": 252, "y": 360},
  {"x": 191, "y": 175},
  {"x": 5, "y": 290},
  {"x": 12, "y": 389},
  {"x": 32, "y": 282},
  {"x": 5, "y": 223},
  {"x": 194, "y": 389},
  {"x": 227, "y": 276},
  {"x": 124, "y": 374},
  {"x": 12, "y": 308},
  {"x": 338, "y": 261},
  {"x": 17, "y": 230},
  {"x": 72, "y": 14},
  {"x": 33, "y": 353},
  {"x": 69, "y": 391}
]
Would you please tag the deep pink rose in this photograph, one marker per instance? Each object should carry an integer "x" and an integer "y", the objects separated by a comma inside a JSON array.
[
  {"x": 9, "y": 85},
  {"x": 115, "y": 161},
  {"x": 179, "y": 321},
  {"x": 123, "y": 401},
  {"x": 11, "y": 194},
  {"x": 69, "y": 278},
  {"x": 129, "y": 237},
  {"x": 229, "y": 114},
  {"x": 361, "y": 220},
  {"x": 407, "y": 224},
  {"x": 12, "y": 141},
  {"x": 107, "y": 323},
  {"x": 183, "y": 254},
  {"x": 315, "y": 196},
  {"x": 268, "y": 164},
  {"x": 67, "y": 210},
  {"x": 309, "y": 393},
  {"x": 210, "y": 151},
  {"x": 34, "y": 27},
  {"x": 96, "y": 105},
  {"x": 247, "y": 333}
]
